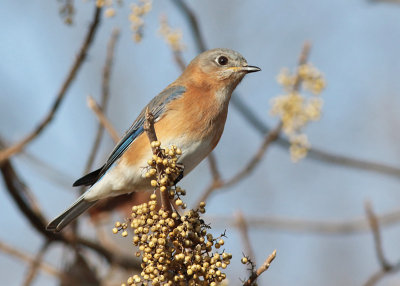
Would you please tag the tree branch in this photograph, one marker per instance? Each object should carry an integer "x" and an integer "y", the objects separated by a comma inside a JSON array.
[
  {"x": 244, "y": 231},
  {"x": 380, "y": 274},
  {"x": 35, "y": 264},
  {"x": 218, "y": 183},
  {"x": 261, "y": 270},
  {"x": 322, "y": 227},
  {"x": 374, "y": 224},
  {"x": 386, "y": 267},
  {"x": 102, "y": 118},
  {"x": 104, "y": 100},
  {"x": 193, "y": 24},
  {"x": 151, "y": 134}
]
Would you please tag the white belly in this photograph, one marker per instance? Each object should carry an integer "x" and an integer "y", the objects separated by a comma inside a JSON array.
[{"x": 192, "y": 154}]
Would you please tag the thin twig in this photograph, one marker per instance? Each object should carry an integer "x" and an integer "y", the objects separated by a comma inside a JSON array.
[
  {"x": 47, "y": 170},
  {"x": 218, "y": 183},
  {"x": 303, "y": 58},
  {"x": 374, "y": 224},
  {"x": 244, "y": 231},
  {"x": 102, "y": 118},
  {"x": 321, "y": 227},
  {"x": 148, "y": 127},
  {"x": 271, "y": 137},
  {"x": 212, "y": 162},
  {"x": 179, "y": 60},
  {"x": 261, "y": 270},
  {"x": 49, "y": 269},
  {"x": 193, "y": 24},
  {"x": 386, "y": 267},
  {"x": 19, "y": 146},
  {"x": 260, "y": 126},
  {"x": 35, "y": 264},
  {"x": 104, "y": 97},
  {"x": 380, "y": 274}
]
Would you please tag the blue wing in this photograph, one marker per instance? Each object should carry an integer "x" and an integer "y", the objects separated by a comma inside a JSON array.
[{"x": 157, "y": 108}]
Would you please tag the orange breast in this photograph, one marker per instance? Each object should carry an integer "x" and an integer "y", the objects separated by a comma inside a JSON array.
[
  {"x": 197, "y": 114},
  {"x": 195, "y": 117}
]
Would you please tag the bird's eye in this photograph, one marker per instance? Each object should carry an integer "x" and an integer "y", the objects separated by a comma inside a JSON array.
[{"x": 222, "y": 60}]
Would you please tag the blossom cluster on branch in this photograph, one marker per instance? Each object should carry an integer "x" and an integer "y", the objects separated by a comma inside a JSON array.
[{"x": 296, "y": 109}]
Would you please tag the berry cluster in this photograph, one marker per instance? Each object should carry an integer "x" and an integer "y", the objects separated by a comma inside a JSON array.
[
  {"x": 163, "y": 169},
  {"x": 175, "y": 249}
]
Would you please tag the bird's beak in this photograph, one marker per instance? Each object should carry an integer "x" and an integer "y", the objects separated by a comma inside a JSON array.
[{"x": 249, "y": 69}]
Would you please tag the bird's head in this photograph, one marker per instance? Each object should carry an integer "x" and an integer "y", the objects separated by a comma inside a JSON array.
[{"x": 220, "y": 67}]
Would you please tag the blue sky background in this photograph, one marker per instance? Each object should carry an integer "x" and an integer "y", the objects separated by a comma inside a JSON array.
[{"x": 355, "y": 44}]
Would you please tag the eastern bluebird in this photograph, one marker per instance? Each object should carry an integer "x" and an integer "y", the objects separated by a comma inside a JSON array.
[{"x": 190, "y": 113}]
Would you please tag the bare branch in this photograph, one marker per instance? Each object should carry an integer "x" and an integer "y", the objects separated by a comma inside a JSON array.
[
  {"x": 218, "y": 183},
  {"x": 261, "y": 270},
  {"x": 193, "y": 24},
  {"x": 322, "y": 227},
  {"x": 244, "y": 231},
  {"x": 179, "y": 60},
  {"x": 47, "y": 170},
  {"x": 212, "y": 162},
  {"x": 374, "y": 224},
  {"x": 303, "y": 58},
  {"x": 148, "y": 127},
  {"x": 104, "y": 98},
  {"x": 19, "y": 146},
  {"x": 386, "y": 267},
  {"x": 35, "y": 264},
  {"x": 376, "y": 277},
  {"x": 102, "y": 118},
  {"x": 151, "y": 134},
  {"x": 271, "y": 137}
]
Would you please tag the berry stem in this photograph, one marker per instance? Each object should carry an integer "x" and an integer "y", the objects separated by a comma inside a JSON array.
[{"x": 148, "y": 127}]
